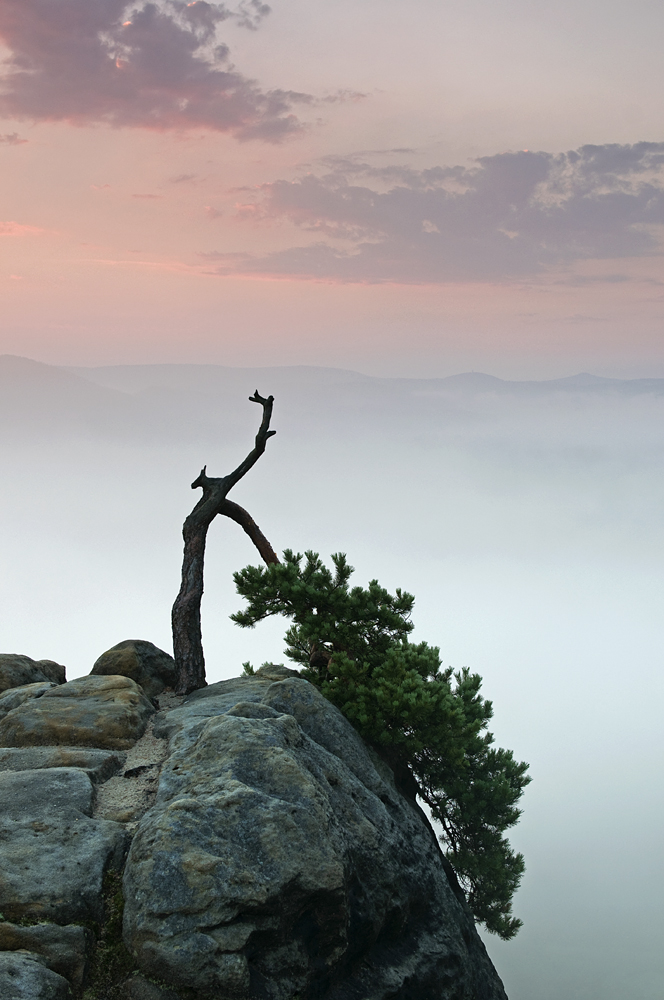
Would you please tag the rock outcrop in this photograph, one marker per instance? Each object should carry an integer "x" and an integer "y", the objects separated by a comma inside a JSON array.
[
  {"x": 144, "y": 662},
  {"x": 16, "y": 670},
  {"x": 270, "y": 854},
  {"x": 108, "y": 712}
]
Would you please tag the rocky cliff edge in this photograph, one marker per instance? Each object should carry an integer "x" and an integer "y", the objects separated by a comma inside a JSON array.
[{"x": 242, "y": 843}]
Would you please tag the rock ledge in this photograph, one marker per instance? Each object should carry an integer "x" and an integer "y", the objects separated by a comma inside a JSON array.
[{"x": 267, "y": 852}]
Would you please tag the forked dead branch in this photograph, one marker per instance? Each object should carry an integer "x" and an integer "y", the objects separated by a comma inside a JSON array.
[{"x": 186, "y": 614}]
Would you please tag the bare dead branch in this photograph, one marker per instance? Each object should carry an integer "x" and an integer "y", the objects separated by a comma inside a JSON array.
[
  {"x": 261, "y": 440},
  {"x": 246, "y": 521},
  {"x": 186, "y": 613}
]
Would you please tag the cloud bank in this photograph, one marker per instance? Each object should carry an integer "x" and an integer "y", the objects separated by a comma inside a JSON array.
[
  {"x": 509, "y": 215},
  {"x": 157, "y": 65}
]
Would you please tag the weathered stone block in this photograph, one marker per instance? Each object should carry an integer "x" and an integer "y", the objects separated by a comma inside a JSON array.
[
  {"x": 106, "y": 712},
  {"x": 53, "y": 855},
  {"x": 99, "y": 765},
  {"x": 64, "y": 950}
]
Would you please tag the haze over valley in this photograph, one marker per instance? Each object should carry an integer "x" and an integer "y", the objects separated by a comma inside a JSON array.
[{"x": 524, "y": 516}]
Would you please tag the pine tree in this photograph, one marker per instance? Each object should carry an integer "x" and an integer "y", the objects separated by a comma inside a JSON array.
[{"x": 352, "y": 643}]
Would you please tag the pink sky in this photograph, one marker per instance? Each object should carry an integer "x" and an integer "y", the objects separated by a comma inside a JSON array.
[{"x": 402, "y": 189}]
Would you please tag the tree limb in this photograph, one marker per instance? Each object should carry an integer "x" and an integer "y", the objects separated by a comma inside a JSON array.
[
  {"x": 261, "y": 440},
  {"x": 186, "y": 613},
  {"x": 246, "y": 521}
]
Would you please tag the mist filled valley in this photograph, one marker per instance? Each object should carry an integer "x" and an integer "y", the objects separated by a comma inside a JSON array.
[{"x": 524, "y": 516}]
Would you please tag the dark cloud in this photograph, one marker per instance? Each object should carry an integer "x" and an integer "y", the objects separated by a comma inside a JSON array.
[
  {"x": 512, "y": 214},
  {"x": 11, "y": 139},
  {"x": 153, "y": 65}
]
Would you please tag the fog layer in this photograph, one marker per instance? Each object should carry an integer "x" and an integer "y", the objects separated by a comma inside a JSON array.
[{"x": 525, "y": 517}]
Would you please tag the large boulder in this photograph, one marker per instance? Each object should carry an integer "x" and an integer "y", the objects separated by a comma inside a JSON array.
[
  {"x": 144, "y": 662},
  {"x": 280, "y": 859},
  {"x": 106, "y": 712},
  {"x": 54, "y": 855},
  {"x": 17, "y": 670}
]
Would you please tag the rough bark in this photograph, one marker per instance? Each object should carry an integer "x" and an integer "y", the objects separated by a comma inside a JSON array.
[{"x": 186, "y": 614}]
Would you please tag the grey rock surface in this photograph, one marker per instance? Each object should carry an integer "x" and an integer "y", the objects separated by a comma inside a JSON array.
[
  {"x": 17, "y": 670},
  {"x": 105, "y": 712},
  {"x": 280, "y": 859},
  {"x": 144, "y": 662},
  {"x": 64, "y": 950},
  {"x": 13, "y": 697},
  {"x": 23, "y": 976},
  {"x": 54, "y": 855},
  {"x": 215, "y": 699},
  {"x": 99, "y": 765}
]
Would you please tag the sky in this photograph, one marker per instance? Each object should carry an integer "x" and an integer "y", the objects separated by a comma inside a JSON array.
[{"x": 413, "y": 189}]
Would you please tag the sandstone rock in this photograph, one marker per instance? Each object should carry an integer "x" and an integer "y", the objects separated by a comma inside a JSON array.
[
  {"x": 23, "y": 976},
  {"x": 105, "y": 712},
  {"x": 280, "y": 859},
  {"x": 17, "y": 670},
  {"x": 13, "y": 697},
  {"x": 53, "y": 854},
  {"x": 275, "y": 672},
  {"x": 215, "y": 699},
  {"x": 64, "y": 950},
  {"x": 144, "y": 662},
  {"x": 99, "y": 765}
]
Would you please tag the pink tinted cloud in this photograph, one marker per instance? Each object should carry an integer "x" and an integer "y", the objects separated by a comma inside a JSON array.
[
  {"x": 155, "y": 65},
  {"x": 508, "y": 215},
  {"x": 19, "y": 229},
  {"x": 11, "y": 139}
]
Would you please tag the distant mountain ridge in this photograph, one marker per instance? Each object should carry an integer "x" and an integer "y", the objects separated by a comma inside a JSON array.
[
  {"x": 129, "y": 378},
  {"x": 161, "y": 404},
  {"x": 22, "y": 372}
]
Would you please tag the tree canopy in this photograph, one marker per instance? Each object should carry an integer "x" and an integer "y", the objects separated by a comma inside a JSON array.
[{"x": 352, "y": 643}]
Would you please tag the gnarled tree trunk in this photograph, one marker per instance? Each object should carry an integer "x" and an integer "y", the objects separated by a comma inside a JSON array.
[{"x": 186, "y": 614}]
